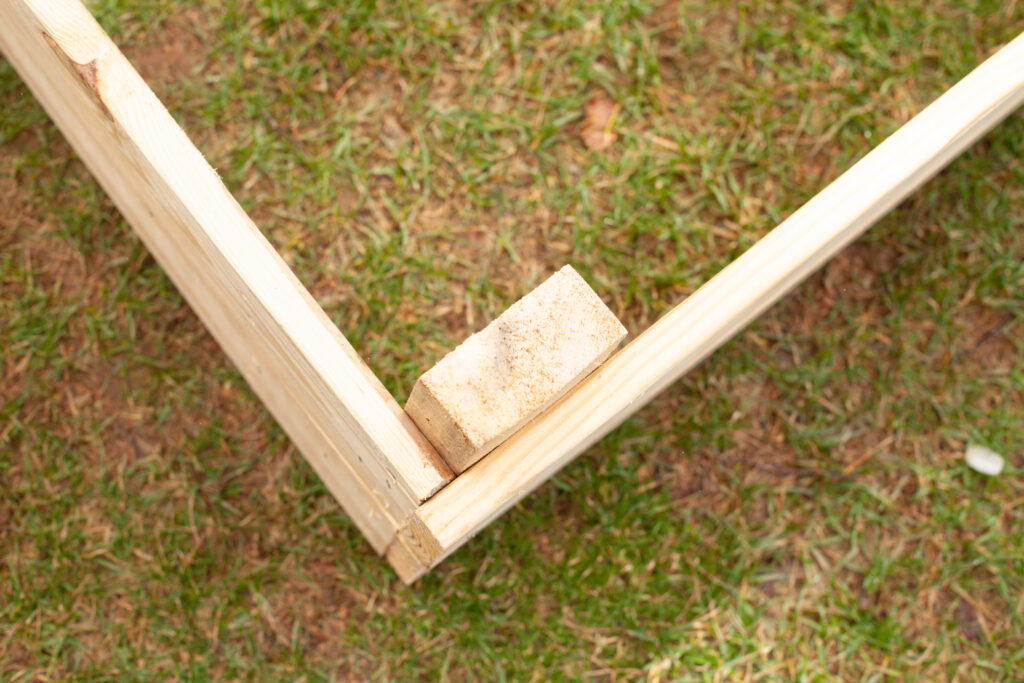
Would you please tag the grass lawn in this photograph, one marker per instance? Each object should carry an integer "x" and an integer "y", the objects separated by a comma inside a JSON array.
[{"x": 797, "y": 508}]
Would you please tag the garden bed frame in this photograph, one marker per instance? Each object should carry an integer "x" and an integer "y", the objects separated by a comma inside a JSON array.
[{"x": 373, "y": 459}]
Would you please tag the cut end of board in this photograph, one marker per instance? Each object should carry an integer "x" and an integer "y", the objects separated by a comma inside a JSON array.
[
  {"x": 406, "y": 565},
  {"x": 414, "y": 551},
  {"x": 522, "y": 362}
]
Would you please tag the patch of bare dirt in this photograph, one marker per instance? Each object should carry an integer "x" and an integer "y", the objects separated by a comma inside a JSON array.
[
  {"x": 174, "y": 51},
  {"x": 57, "y": 265}
]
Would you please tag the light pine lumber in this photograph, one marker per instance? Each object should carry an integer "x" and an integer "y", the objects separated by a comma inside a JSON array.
[
  {"x": 341, "y": 418},
  {"x": 714, "y": 313},
  {"x": 524, "y": 360}
]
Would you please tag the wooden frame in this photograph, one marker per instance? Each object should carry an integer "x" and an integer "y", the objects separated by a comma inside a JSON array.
[{"x": 384, "y": 473}]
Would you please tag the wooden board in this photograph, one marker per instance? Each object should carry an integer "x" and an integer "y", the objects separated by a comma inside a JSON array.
[
  {"x": 350, "y": 429},
  {"x": 713, "y": 314},
  {"x": 523, "y": 361}
]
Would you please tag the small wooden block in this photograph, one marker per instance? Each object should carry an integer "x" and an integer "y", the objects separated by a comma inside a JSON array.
[{"x": 504, "y": 375}]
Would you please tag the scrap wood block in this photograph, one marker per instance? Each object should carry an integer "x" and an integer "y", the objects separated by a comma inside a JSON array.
[{"x": 503, "y": 376}]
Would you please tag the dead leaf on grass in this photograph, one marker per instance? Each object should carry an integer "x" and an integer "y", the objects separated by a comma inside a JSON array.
[{"x": 598, "y": 121}]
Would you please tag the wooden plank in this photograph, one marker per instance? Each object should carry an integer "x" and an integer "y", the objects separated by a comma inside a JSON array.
[
  {"x": 357, "y": 438},
  {"x": 527, "y": 358},
  {"x": 719, "y": 309}
]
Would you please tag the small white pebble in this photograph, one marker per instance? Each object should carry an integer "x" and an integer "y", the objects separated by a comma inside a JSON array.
[{"x": 984, "y": 460}]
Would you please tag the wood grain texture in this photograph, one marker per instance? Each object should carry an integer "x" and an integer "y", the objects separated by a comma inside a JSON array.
[
  {"x": 523, "y": 361},
  {"x": 342, "y": 419},
  {"x": 719, "y": 309}
]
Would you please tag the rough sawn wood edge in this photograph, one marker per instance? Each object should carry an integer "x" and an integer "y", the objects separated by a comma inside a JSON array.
[{"x": 341, "y": 418}]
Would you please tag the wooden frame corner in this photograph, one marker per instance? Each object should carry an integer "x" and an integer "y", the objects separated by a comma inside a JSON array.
[{"x": 372, "y": 458}]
